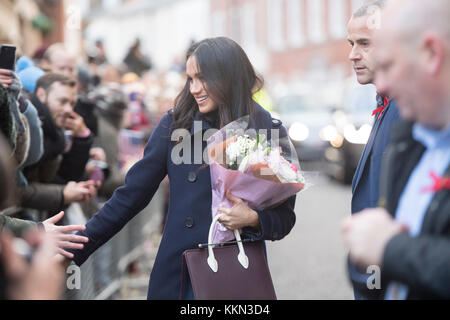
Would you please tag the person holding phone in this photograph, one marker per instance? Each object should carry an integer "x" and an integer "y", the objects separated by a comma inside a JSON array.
[{"x": 219, "y": 87}]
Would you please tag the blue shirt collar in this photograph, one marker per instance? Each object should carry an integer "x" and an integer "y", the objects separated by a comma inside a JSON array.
[{"x": 431, "y": 138}]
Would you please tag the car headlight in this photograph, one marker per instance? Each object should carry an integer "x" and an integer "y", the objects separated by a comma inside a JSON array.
[
  {"x": 355, "y": 136},
  {"x": 329, "y": 133},
  {"x": 299, "y": 131}
]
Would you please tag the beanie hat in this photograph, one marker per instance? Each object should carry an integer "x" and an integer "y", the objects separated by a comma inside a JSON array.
[
  {"x": 23, "y": 63},
  {"x": 30, "y": 76}
]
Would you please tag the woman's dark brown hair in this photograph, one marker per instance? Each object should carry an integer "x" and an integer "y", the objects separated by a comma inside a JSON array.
[{"x": 230, "y": 81}]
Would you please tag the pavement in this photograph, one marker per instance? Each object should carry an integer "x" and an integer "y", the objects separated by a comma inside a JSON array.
[{"x": 310, "y": 263}]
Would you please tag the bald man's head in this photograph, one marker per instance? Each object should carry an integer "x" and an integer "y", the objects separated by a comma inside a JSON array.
[
  {"x": 412, "y": 59},
  {"x": 58, "y": 60},
  {"x": 409, "y": 18}
]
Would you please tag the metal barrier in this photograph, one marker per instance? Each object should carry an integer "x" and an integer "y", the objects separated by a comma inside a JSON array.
[{"x": 106, "y": 274}]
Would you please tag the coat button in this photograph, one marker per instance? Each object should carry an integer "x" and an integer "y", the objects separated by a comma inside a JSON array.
[
  {"x": 189, "y": 222},
  {"x": 276, "y": 123},
  {"x": 192, "y": 177},
  {"x": 275, "y": 235}
]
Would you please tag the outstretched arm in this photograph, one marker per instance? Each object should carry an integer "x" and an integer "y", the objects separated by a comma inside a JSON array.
[{"x": 141, "y": 183}]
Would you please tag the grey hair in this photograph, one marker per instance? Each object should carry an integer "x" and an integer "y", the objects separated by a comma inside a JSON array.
[{"x": 364, "y": 9}]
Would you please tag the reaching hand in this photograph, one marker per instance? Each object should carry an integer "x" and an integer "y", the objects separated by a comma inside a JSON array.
[
  {"x": 63, "y": 239},
  {"x": 79, "y": 191},
  {"x": 42, "y": 278}
]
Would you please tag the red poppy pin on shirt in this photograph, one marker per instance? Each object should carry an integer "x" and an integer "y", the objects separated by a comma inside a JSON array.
[
  {"x": 380, "y": 110},
  {"x": 439, "y": 183}
]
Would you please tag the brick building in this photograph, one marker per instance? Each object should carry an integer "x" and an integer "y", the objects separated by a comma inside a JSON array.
[{"x": 290, "y": 41}]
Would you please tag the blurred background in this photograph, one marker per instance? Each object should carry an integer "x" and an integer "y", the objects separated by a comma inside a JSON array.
[{"x": 298, "y": 46}]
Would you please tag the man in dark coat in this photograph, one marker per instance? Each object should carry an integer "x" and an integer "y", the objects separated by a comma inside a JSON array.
[
  {"x": 408, "y": 240},
  {"x": 366, "y": 181}
]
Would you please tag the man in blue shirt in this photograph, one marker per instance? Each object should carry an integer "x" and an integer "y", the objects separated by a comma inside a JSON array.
[{"x": 409, "y": 239}]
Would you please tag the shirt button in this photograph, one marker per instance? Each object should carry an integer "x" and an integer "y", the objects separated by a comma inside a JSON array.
[
  {"x": 192, "y": 177},
  {"x": 189, "y": 222}
]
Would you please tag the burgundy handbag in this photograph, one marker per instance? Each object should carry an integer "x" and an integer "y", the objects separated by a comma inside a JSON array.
[{"x": 232, "y": 272}]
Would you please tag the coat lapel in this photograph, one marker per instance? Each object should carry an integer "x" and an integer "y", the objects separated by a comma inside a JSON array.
[{"x": 368, "y": 150}]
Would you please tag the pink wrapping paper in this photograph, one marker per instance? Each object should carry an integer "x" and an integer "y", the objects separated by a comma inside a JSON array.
[{"x": 257, "y": 193}]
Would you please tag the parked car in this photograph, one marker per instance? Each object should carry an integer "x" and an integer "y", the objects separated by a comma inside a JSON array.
[
  {"x": 304, "y": 118},
  {"x": 349, "y": 133}
]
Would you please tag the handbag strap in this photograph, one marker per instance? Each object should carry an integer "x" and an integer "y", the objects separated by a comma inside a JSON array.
[{"x": 212, "y": 262}]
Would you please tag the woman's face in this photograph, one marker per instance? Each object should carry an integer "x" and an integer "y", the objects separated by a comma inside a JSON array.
[{"x": 198, "y": 87}]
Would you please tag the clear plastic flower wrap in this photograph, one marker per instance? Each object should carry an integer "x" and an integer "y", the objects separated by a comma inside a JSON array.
[{"x": 262, "y": 172}]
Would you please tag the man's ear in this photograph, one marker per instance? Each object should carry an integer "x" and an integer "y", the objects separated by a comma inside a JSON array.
[
  {"x": 433, "y": 54},
  {"x": 45, "y": 64},
  {"x": 41, "y": 94}
]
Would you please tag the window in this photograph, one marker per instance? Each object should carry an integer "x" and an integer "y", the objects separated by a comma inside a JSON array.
[
  {"x": 248, "y": 23},
  {"x": 337, "y": 18},
  {"x": 295, "y": 30},
  {"x": 235, "y": 27},
  {"x": 316, "y": 30},
  {"x": 218, "y": 24},
  {"x": 275, "y": 24}
]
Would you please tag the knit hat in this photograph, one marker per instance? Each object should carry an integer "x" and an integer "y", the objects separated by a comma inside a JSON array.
[
  {"x": 23, "y": 63},
  {"x": 30, "y": 76}
]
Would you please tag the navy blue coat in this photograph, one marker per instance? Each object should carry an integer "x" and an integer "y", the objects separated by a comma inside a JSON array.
[
  {"x": 366, "y": 182},
  {"x": 189, "y": 214}
]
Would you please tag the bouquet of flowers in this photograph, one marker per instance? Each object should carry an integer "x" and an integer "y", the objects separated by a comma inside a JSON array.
[{"x": 262, "y": 173}]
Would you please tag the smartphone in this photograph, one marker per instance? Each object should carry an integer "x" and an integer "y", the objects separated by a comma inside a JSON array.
[{"x": 7, "y": 56}]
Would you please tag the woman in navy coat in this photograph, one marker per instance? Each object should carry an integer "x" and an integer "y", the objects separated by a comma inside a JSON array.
[{"x": 218, "y": 90}]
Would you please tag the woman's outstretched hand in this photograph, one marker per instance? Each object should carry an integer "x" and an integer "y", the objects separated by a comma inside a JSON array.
[
  {"x": 239, "y": 216},
  {"x": 63, "y": 238}
]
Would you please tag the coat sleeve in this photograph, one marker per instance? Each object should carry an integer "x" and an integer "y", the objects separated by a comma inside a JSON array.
[
  {"x": 17, "y": 226},
  {"x": 141, "y": 183},
  {"x": 422, "y": 263},
  {"x": 74, "y": 162},
  {"x": 43, "y": 196},
  {"x": 275, "y": 223}
]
